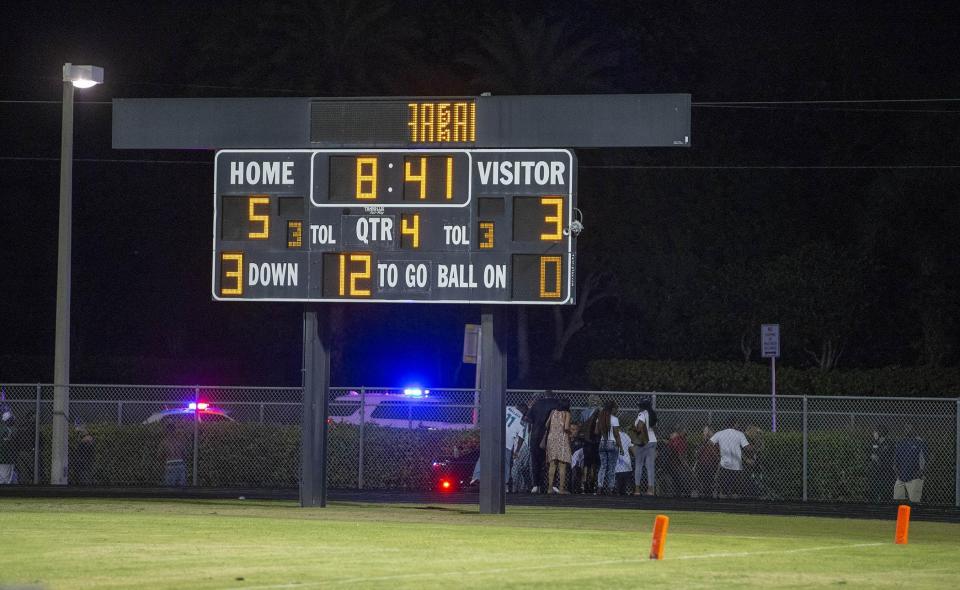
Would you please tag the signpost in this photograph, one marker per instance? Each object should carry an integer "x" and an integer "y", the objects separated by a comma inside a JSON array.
[
  {"x": 770, "y": 348},
  {"x": 472, "y": 355}
]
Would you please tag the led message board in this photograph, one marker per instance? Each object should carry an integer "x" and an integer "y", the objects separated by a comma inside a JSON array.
[
  {"x": 417, "y": 123},
  {"x": 426, "y": 225}
]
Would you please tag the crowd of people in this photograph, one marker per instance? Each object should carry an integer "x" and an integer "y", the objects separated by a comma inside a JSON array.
[{"x": 554, "y": 451}]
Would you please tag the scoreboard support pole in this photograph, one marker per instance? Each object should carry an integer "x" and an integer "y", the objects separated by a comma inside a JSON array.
[
  {"x": 316, "y": 389},
  {"x": 492, "y": 409}
]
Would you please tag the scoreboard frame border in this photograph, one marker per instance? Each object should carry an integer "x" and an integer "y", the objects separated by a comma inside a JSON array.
[{"x": 570, "y": 251}]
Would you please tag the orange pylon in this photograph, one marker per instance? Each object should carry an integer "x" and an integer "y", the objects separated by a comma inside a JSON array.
[
  {"x": 903, "y": 524},
  {"x": 660, "y": 526}
]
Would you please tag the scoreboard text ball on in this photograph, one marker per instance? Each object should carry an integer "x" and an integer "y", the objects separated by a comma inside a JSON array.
[{"x": 425, "y": 225}]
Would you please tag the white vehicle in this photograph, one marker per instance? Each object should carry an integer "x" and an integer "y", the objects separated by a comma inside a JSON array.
[{"x": 411, "y": 409}]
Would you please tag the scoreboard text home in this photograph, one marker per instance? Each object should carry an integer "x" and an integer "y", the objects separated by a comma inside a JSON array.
[{"x": 425, "y": 225}]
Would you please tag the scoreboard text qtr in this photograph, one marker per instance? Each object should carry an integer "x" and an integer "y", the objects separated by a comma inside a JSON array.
[{"x": 428, "y": 225}]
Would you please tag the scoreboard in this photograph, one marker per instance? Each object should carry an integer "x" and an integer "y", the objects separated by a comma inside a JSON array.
[{"x": 424, "y": 225}]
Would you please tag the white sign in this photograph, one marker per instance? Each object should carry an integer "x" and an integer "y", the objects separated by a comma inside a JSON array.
[
  {"x": 471, "y": 343},
  {"x": 770, "y": 341}
]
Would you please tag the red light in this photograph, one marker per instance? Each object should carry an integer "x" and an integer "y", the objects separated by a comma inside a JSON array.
[
  {"x": 203, "y": 405},
  {"x": 445, "y": 485}
]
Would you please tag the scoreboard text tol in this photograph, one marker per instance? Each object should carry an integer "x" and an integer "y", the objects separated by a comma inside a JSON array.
[{"x": 440, "y": 226}]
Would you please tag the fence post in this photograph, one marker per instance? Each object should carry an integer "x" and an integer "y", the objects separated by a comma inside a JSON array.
[
  {"x": 363, "y": 417},
  {"x": 956, "y": 458},
  {"x": 196, "y": 428},
  {"x": 805, "y": 442},
  {"x": 36, "y": 439}
]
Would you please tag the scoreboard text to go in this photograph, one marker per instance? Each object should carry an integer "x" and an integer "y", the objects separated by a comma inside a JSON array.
[{"x": 463, "y": 226}]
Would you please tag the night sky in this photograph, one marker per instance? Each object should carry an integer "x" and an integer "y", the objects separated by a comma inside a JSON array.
[{"x": 821, "y": 190}]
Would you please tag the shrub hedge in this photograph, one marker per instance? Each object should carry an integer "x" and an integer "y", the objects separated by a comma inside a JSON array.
[
  {"x": 258, "y": 455},
  {"x": 268, "y": 456},
  {"x": 734, "y": 377}
]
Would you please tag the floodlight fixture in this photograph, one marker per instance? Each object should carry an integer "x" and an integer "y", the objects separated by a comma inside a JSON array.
[{"x": 82, "y": 76}]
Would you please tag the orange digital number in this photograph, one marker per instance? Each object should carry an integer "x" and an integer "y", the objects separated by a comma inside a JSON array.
[
  {"x": 366, "y": 178},
  {"x": 410, "y": 226},
  {"x": 486, "y": 235},
  {"x": 554, "y": 292},
  {"x": 449, "y": 193},
  {"x": 556, "y": 219},
  {"x": 348, "y": 286},
  {"x": 294, "y": 233},
  {"x": 254, "y": 217},
  {"x": 236, "y": 273},
  {"x": 409, "y": 176}
]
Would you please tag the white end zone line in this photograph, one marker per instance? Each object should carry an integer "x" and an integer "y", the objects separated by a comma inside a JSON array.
[{"x": 506, "y": 570}]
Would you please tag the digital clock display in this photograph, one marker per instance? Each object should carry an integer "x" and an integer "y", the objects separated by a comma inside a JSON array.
[{"x": 431, "y": 225}]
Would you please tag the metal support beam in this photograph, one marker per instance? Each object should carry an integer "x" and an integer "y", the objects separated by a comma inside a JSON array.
[
  {"x": 806, "y": 438},
  {"x": 61, "y": 365},
  {"x": 316, "y": 388},
  {"x": 493, "y": 409}
]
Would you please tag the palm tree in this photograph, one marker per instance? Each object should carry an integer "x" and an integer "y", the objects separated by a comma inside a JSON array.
[
  {"x": 322, "y": 47},
  {"x": 538, "y": 55}
]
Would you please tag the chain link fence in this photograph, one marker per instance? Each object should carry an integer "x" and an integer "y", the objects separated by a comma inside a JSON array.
[{"x": 815, "y": 448}]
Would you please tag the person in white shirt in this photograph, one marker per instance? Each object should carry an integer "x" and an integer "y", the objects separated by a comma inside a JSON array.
[
  {"x": 732, "y": 443},
  {"x": 646, "y": 453},
  {"x": 624, "y": 464}
]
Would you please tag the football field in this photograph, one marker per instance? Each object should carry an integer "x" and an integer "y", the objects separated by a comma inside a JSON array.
[{"x": 96, "y": 543}]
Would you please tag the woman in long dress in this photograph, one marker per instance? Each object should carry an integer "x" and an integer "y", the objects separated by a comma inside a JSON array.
[{"x": 558, "y": 447}]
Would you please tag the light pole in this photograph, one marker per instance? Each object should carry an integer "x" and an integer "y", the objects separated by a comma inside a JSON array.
[{"x": 79, "y": 77}]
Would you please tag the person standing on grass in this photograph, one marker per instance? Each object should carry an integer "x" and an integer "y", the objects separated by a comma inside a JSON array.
[
  {"x": 707, "y": 463},
  {"x": 174, "y": 449},
  {"x": 880, "y": 465},
  {"x": 677, "y": 465},
  {"x": 8, "y": 473},
  {"x": 910, "y": 464},
  {"x": 625, "y": 465},
  {"x": 575, "y": 480},
  {"x": 591, "y": 451},
  {"x": 537, "y": 417},
  {"x": 520, "y": 471},
  {"x": 646, "y": 449},
  {"x": 607, "y": 429},
  {"x": 83, "y": 455},
  {"x": 558, "y": 447},
  {"x": 732, "y": 443}
]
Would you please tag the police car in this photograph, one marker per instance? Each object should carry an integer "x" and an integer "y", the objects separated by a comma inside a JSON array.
[{"x": 200, "y": 411}]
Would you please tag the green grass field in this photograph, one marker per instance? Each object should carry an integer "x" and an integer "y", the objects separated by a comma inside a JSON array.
[{"x": 92, "y": 543}]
